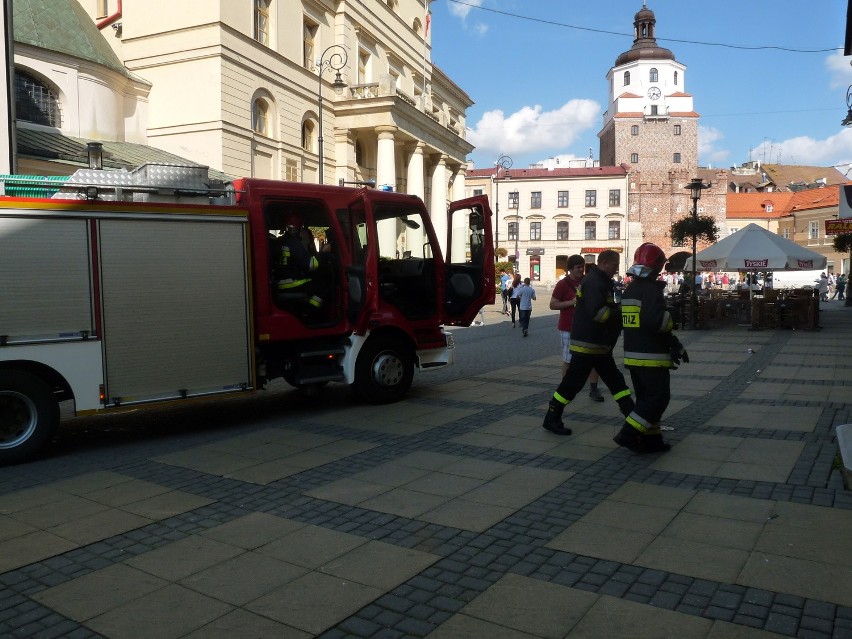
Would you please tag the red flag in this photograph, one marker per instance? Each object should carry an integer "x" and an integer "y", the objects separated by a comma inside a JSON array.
[{"x": 428, "y": 22}]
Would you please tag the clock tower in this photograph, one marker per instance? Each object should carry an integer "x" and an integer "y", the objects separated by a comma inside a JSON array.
[
  {"x": 651, "y": 127},
  {"x": 650, "y": 123}
]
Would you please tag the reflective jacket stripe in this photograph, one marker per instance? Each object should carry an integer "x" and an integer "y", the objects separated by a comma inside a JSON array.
[
  {"x": 602, "y": 315},
  {"x": 668, "y": 323},
  {"x": 625, "y": 393},
  {"x": 561, "y": 399},
  {"x": 662, "y": 360},
  {"x": 640, "y": 424},
  {"x": 285, "y": 284},
  {"x": 589, "y": 348}
]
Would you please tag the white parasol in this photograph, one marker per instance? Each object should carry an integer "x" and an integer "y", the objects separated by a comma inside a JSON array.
[{"x": 753, "y": 248}]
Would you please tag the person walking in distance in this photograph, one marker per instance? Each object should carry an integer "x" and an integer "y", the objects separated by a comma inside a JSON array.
[
  {"x": 564, "y": 299},
  {"x": 650, "y": 350},
  {"x": 514, "y": 287},
  {"x": 597, "y": 325},
  {"x": 505, "y": 279},
  {"x": 526, "y": 295}
]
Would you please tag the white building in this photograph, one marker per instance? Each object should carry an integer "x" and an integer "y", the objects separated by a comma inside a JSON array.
[{"x": 544, "y": 215}]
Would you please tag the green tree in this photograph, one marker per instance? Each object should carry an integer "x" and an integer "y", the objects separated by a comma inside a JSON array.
[{"x": 704, "y": 227}]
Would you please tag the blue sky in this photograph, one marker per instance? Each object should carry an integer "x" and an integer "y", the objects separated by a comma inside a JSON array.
[{"x": 540, "y": 87}]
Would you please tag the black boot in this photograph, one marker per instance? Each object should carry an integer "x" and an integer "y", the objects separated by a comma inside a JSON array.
[
  {"x": 629, "y": 438},
  {"x": 553, "y": 419},
  {"x": 653, "y": 444}
]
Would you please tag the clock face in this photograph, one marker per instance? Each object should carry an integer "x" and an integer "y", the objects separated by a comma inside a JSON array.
[{"x": 654, "y": 93}]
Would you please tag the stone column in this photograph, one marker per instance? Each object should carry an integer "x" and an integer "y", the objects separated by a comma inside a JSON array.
[
  {"x": 414, "y": 238},
  {"x": 386, "y": 175},
  {"x": 438, "y": 205},
  {"x": 458, "y": 183}
]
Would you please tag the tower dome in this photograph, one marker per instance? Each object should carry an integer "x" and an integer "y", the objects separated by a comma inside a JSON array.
[{"x": 644, "y": 43}]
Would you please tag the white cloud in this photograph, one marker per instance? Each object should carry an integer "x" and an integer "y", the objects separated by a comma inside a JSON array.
[
  {"x": 708, "y": 154},
  {"x": 531, "y": 130},
  {"x": 461, "y": 10},
  {"x": 835, "y": 149},
  {"x": 480, "y": 28},
  {"x": 839, "y": 69}
]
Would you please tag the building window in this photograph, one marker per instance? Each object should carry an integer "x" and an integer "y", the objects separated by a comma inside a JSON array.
[
  {"x": 308, "y": 135},
  {"x": 615, "y": 230},
  {"x": 260, "y": 117},
  {"x": 653, "y": 76},
  {"x": 535, "y": 230},
  {"x": 634, "y": 158},
  {"x": 308, "y": 47},
  {"x": 634, "y": 130},
  {"x": 813, "y": 230},
  {"x": 677, "y": 129},
  {"x": 562, "y": 230},
  {"x": 363, "y": 61},
  {"x": 654, "y": 110},
  {"x": 676, "y": 158},
  {"x": 36, "y": 102},
  {"x": 591, "y": 198},
  {"x": 562, "y": 199},
  {"x": 675, "y": 78},
  {"x": 261, "y": 21},
  {"x": 291, "y": 170},
  {"x": 615, "y": 197},
  {"x": 591, "y": 231},
  {"x": 626, "y": 78},
  {"x": 103, "y": 9},
  {"x": 477, "y": 191},
  {"x": 535, "y": 200},
  {"x": 513, "y": 230},
  {"x": 513, "y": 199},
  {"x": 786, "y": 234}
]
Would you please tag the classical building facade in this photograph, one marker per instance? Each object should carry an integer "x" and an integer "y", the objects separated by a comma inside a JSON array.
[
  {"x": 652, "y": 127},
  {"x": 544, "y": 215},
  {"x": 248, "y": 87}
]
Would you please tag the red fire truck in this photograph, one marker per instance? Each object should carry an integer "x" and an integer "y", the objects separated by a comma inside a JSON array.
[{"x": 132, "y": 288}]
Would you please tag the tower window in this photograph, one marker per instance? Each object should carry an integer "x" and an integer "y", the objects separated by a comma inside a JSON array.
[
  {"x": 634, "y": 158},
  {"x": 626, "y": 78},
  {"x": 654, "y": 76},
  {"x": 654, "y": 110},
  {"x": 634, "y": 130},
  {"x": 675, "y": 78},
  {"x": 35, "y": 101},
  {"x": 677, "y": 129},
  {"x": 676, "y": 158}
]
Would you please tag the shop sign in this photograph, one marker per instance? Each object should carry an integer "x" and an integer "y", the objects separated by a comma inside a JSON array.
[
  {"x": 535, "y": 251},
  {"x": 601, "y": 249},
  {"x": 837, "y": 227}
]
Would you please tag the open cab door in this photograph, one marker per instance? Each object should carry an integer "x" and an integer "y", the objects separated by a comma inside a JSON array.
[{"x": 469, "y": 272}]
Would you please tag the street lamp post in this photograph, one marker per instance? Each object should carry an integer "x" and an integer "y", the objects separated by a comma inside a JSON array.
[
  {"x": 517, "y": 232},
  {"x": 503, "y": 162},
  {"x": 847, "y": 121},
  {"x": 336, "y": 60},
  {"x": 695, "y": 186}
]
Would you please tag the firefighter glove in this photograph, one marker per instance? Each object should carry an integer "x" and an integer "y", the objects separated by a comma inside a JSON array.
[{"x": 678, "y": 352}]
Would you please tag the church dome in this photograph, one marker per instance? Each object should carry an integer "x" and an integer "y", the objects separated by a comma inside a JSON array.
[{"x": 644, "y": 43}]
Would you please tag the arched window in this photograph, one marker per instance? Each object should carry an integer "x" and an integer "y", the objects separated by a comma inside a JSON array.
[
  {"x": 626, "y": 78},
  {"x": 675, "y": 78},
  {"x": 260, "y": 117},
  {"x": 308, "y": 135},
  {"x": 35, "y": 101},
  {"x": 654, "y": 76}
]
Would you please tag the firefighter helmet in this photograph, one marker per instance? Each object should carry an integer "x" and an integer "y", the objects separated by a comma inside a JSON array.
[{"x": 648, "y": 260}]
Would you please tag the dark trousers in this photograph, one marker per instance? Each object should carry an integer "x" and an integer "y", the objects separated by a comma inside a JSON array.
[
  {"x": 514, "y": 302},
  {"x": 651, "y": 386},
  {"x": 524, "y": 316},
  {"x": 505, "y": 295},
  {"x": 578, "y": 372}
]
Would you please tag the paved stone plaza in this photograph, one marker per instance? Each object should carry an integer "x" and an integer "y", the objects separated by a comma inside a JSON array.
[{"x": 453, "y": 513}]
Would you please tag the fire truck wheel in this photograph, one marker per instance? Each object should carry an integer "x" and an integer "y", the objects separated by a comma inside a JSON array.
[
  {"x": 29, "y": 415},
  {"x": 384, "y": 370}
]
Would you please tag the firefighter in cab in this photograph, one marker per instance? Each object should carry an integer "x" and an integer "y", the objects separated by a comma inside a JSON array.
[
  {"x": 650, "y": 351},
  {"x": 297, "y": 263}
]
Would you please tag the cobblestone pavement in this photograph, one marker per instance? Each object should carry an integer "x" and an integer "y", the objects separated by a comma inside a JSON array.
[{"x": 453, "y": 513}]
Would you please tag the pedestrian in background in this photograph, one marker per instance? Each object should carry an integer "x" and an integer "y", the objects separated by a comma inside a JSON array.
[
  {"x": 505, "y": 278},
  {"x": 564, "y": 299},
  {"x": 513, "y": 296},
  {"x": 597, "y": 325},
  {"x": 526, "y": 295},
  {"x": 840, "y": 287}
]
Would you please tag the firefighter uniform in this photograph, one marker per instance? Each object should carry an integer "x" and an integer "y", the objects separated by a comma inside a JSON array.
[
  {"x": 650, "y": 351},
  {"x": 597, "y": 325}
]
